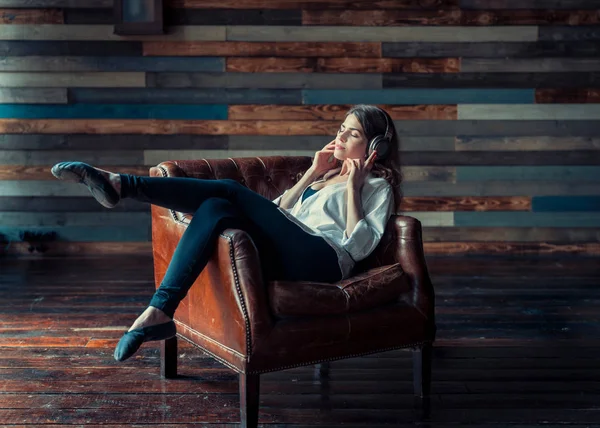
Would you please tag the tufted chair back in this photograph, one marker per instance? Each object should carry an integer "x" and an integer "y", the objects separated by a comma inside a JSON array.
[{"x": 270, "y": 177}]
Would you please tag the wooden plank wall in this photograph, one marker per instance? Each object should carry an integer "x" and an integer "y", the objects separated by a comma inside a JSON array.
[{"x": 497, "y": 103}]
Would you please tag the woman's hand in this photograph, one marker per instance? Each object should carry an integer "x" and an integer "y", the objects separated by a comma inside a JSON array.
[
  {"x": 324, "y": 160},
  {"x": 357, "y": 170}
]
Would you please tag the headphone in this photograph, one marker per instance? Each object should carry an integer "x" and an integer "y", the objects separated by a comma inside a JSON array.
[{"x": 381, "y": 143}]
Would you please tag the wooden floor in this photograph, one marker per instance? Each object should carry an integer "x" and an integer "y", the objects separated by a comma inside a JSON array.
[{"x": 518, "y": 346}]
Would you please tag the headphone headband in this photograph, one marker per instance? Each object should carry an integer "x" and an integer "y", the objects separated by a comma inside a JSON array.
[{"x": 388, "y": 132}]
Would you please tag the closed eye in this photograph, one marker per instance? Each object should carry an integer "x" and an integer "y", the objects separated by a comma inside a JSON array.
[{"x": 342, "y": 130}]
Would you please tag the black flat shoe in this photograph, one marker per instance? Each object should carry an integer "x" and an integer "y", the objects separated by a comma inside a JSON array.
[
  {"x": 80, "y": 172},
  {"x": 132, "y": 340}
]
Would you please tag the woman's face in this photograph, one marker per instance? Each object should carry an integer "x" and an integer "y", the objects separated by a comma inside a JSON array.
[{"x": 350, "y": 142}]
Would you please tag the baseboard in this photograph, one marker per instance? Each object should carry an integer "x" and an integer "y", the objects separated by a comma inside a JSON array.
[
  {"x": 511, "y": 248},
  {"x": 96, "y": 249},
  {"x": 77, "y": 249}
]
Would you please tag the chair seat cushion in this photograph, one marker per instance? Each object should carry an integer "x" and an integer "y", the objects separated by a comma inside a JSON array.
[{"x": 370, "y": 289}]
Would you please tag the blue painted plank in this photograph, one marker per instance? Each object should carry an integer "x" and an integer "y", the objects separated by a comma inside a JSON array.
[
  {"x": 418, "y": 96},
  {"x": 530, "y": 173},
  {"x": 526, "y": 219},
  {"x": 185, "y": 96},
  {"x": 565, "y": 203},
  {"x": 85, "y": 233},
  {"x": 114, "y": 63},
  {"x": 114, "y": 111}
]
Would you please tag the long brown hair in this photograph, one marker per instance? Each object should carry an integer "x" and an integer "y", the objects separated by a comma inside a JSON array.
[{"x": 373, "y": 123}]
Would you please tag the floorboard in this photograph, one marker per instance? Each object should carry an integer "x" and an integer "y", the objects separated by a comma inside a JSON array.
[{"x": 518, "y": 346}]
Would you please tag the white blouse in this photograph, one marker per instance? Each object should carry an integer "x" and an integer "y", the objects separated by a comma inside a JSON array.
[{"x": 324, "y": 214}]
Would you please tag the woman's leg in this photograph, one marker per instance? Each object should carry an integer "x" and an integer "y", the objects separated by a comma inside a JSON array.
[
  {"x": 177, "y": 193},
  {"x": 266, "y": 223},
  {"x": 292, "y": 253},
  {"x": 182, "y": 193},
  {"x": 193, "y": 251},
  {"x": 286, "y": 251}
]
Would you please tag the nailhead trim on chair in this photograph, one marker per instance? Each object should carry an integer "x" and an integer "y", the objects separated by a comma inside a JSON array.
[
  {"x": 240, "y": 295},
  {"x": 337, "y": 358},
  {"x": 173, "y": 212}
]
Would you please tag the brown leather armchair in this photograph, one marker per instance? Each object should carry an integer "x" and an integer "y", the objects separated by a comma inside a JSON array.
[{"x": 254, "y": 327}]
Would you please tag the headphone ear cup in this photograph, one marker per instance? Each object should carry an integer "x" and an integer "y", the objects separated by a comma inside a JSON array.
[
  {"x": 373, "y": 144},
  {"x": 381, "y": 145}
]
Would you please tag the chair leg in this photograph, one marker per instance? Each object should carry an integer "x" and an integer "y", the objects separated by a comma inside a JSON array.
[
  {"x": 422, "y": 379},
  {"x": 321, "y": 375},
  {"x": 168, "y": 358},
  {"x": 249, "y": 400},
  {"x": 422, "y": 370},
  {"x": 322, "y": 370}
]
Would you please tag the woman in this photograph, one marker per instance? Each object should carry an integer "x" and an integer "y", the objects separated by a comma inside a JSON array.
[{"x": 334, "y": 216}]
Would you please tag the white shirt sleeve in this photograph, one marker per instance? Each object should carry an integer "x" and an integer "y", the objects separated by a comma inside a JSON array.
[{"x": 368, "y": 231}]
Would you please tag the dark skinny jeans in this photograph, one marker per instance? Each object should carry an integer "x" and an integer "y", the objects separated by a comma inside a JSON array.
[{"x": 286, "y": 251}]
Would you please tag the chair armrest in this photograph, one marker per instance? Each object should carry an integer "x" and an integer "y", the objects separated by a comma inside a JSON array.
[
  {"x": 167, "y": 169},
  {"x": 364, "y": 291},
  {"x": 244, "y": 274},
  {"x": 411, "y": 257}
]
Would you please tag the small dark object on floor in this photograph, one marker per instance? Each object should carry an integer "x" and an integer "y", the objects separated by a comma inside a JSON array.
[{"x": 36, "y": 240}]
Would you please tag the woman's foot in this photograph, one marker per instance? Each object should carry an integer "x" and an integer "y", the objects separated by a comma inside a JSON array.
[
  {"x": 105, "y": 186},
  {"x": 153, "y": 324},
  {"x": 151, "y": 316}
]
